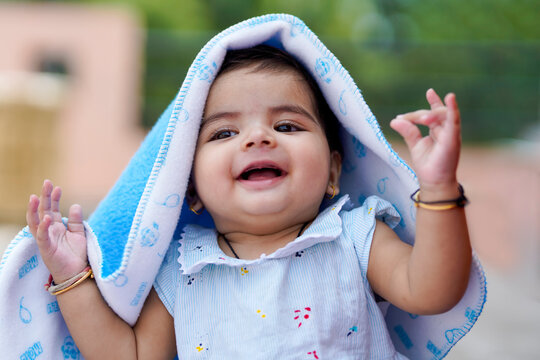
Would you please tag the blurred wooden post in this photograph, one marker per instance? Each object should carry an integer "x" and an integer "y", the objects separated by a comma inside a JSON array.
[{"x": 29, "y": 108}]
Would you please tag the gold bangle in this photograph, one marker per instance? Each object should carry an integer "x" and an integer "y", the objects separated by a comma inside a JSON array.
[
  {"x": 440, "y": 205},
  {"x": 435, "y": 207},
  {"x": 86, "y": 276}
]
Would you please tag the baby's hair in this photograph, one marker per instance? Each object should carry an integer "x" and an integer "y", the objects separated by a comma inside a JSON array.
[{"x": 268, "y": 58}]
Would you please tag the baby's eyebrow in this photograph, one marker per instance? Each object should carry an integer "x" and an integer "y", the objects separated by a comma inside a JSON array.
[
  {"x": 219, "y": 115},
  {"x": 291, "y": 108}
]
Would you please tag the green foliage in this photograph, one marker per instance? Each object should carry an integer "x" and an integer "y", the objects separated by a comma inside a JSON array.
[
  {"x": 487, "y": 52},
  {"x": 472, "y": 20},
  {"x": 497, "y": 85}
]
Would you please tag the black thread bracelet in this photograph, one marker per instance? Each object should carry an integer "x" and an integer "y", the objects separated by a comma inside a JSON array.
[{"x": 460, "y": 201}]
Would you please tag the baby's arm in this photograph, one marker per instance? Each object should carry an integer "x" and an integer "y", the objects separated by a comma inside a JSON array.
[
  {"x": 98, "y": 332},
  {"x": 432, "y": 276}
]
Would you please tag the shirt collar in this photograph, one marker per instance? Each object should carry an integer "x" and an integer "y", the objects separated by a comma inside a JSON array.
[{"x": 199, "y": 246}]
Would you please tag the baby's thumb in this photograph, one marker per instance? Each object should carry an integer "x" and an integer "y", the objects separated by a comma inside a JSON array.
[{"x": 75, "y": 219}]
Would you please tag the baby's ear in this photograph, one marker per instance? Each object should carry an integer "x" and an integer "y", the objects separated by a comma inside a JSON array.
[
  {"x": 335, "y": 169},
  {"x": 192, "y": 198}
]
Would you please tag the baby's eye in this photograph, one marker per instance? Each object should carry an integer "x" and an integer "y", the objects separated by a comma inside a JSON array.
[
  {"x": 287, "y": 127},
  {"x": 223, "y": 134}
]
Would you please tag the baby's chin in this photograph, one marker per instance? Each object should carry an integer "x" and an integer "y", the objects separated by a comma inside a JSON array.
[{"x": 266, "y": 217}]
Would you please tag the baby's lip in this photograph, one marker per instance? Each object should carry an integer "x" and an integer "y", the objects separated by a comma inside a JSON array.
[{"x": 261, "y": 167}]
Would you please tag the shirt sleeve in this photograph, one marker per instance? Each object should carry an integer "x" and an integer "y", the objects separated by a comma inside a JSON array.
[
  {"x": 168, "y": 277},
  {"x": 359, "y": 226}
]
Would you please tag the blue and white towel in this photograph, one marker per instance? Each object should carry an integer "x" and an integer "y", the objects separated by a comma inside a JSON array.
[{"x": 131, "y": 229}]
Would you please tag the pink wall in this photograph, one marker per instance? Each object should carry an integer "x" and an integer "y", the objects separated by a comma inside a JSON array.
[{"x": 99, "y": 120}]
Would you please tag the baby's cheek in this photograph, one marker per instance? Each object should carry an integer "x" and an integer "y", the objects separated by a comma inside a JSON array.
[{"x": 317, "y": 168}]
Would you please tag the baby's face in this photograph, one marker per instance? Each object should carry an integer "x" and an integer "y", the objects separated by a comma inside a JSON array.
[{"x": 262, "y": 159}]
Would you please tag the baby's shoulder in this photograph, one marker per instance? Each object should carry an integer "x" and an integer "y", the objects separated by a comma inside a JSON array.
[{"x": 373, "y": 207}]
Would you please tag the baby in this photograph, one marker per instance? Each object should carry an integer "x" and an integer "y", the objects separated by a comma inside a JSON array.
[{"x": 278, "y": 277}]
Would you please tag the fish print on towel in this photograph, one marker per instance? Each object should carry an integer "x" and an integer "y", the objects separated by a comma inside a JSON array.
[
  {"x": 324, "y": 68},
  {"x": 150, "y": 235},
  {"x": 171, "y": 201},
  {"x": 70, "y": 350},
  {"x": 207, "y": 72}
]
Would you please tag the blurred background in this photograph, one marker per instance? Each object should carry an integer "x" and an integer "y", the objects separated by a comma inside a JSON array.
[{"x": 81, "y": 82}]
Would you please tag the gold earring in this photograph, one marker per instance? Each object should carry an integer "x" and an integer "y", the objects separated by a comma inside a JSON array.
[
  {"x": 193, "y": 210},
  {"x": 333, "y": 193}
]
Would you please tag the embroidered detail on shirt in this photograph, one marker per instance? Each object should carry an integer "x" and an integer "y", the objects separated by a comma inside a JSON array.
[
  {"x": 199, "y": 247},
  {"x": 302, "y": 315},
  {"x": 260, "y": 313},
  {"x": 299, "y": 253},
  {"x": 314, "y": 353},
  {"x": 200, "y": 348},
  {"x": 352, "y": 330},
  {"x": 243, "y": 270},
  {"x": 202, "y": 340},
  {"x": 196, "y": 278}
]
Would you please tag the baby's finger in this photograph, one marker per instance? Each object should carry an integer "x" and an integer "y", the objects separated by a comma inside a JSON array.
[
  {"x": 42, "y": 238},
  {"x": 453, "y": 121},
  {"x": 433, "y": 99},
  {"x": 410, "y": 132},
  {"x": 75, "y": 219},
  {"x": 453, "y": 109},
  {"x": 425, "y": 117},
  {"x": 55, "y": 203},
  {"x": 32, "y": 216},
  {"x": 45, "y": 198}
]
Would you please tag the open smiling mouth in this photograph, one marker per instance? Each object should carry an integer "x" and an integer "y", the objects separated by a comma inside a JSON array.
[{"x": 261, "y": 174}]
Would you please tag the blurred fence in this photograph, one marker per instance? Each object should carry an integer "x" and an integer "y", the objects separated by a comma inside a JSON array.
[
  {"x": 497, "y": 84},
  {"x": 29, "y": 107}
]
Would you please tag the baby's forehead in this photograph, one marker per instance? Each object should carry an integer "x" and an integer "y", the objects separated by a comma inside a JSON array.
[
  {"x": 285, "y": 73},
  {"x": 260, "y": 68}
]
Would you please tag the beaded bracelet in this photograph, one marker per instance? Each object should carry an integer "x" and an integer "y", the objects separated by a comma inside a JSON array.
[
  {"x": 460, "y": 201},
  {"x": 69, "y": 284}
]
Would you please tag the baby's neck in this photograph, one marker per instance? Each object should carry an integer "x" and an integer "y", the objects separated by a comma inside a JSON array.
[{"x": 249, "y": 246}]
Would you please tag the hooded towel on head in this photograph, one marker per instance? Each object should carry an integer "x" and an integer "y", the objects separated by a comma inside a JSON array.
[{"x": 131, "y": 229}]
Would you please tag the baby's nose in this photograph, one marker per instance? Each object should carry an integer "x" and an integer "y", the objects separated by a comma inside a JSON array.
[{"x": 259, "y": 137}]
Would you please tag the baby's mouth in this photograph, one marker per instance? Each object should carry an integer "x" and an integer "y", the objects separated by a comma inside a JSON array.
[{"x": 261, "y": 173}]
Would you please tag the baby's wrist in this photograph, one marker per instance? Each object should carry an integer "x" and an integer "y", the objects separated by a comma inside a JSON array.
[
  {"x": 60, "y": 277},
  {"x": 439, "y": 192},
  {"x": 68, "y": 284}
]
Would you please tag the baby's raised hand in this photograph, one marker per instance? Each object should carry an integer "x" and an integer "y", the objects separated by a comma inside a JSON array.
[
  {"x": 62, "y": 247},
  {"x": 435, "y": 156}
]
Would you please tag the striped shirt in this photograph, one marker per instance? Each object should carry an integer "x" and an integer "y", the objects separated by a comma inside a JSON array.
[{"x": 308, "y": 300}]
